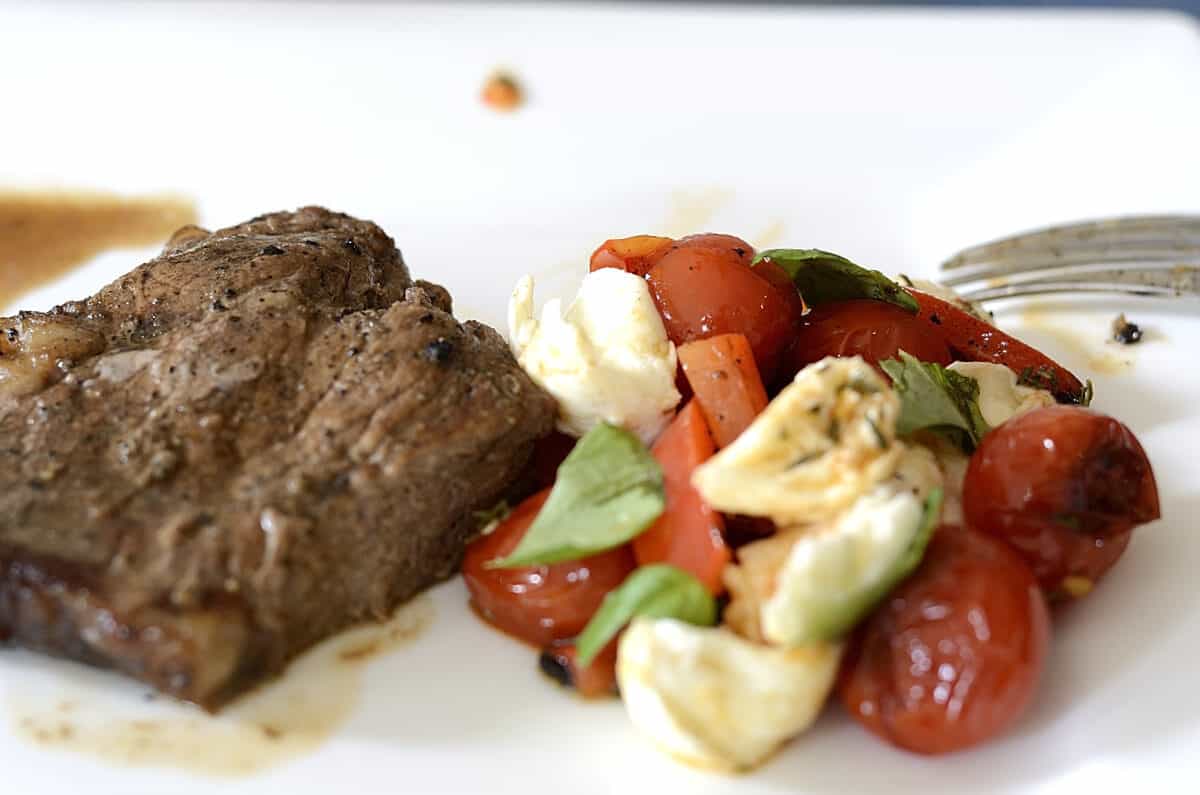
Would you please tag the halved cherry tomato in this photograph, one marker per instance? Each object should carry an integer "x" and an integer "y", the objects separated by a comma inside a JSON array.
[
  {"x": 972, "y": 339},
  {"x": 953, "y": 656},
  {"x": 538, "y": 604},
  {"x": 701, "y": 292},
  {"x": 1064, "y": 486},
  {"x": 874, "y": 330},
  {"x": 560, "y": 662},
  {"x": 743, "y": 250},
  {"x": 636, "y": 254},
  {"x": 689, "y": 534},
  {"x": 725, "y": 380}
]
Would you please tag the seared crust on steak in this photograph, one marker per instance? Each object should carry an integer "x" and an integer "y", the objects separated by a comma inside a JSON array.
[{"x": 258, "y": 438}]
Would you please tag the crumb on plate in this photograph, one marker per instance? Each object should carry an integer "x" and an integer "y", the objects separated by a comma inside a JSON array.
[
  {"x": 1124, "y": 331},
  {"x": 502, "y": 92}
]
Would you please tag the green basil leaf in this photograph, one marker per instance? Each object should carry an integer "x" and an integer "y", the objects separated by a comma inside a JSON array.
[
  {"x": 608, "y": 490},
  {"x": 936, "y": 398},
  {"x": 822, "y": 277},
  {"x": 656, "y": 591},
  {"x": 930, "y": 518}
]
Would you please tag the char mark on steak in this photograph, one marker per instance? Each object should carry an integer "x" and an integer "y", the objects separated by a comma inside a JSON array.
[{"x": 262, "y": 436}]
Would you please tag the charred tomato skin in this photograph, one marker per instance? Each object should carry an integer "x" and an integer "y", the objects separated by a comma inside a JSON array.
[
  {"x": 871, "y": 329},
  {"x": 1065, "y": 486},
  {"x": 953, "y": 656}
]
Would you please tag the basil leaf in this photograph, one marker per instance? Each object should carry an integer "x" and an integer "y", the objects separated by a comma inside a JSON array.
[
  {"x": 656, "y": 591},
  {"x": 822, "y": 277},
  {"x": 930, "y": 518},
  {"x": 936, "y": 398},
  {"x": 608, "y": 490}
]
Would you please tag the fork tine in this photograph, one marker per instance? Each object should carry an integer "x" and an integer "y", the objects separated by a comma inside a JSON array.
[
  {"x": 1036, "y": 263},
  {"x": 1142, "y": 239},
  {"x": 1158, "y": 231},
  {"x": 1173, "y": 281}
]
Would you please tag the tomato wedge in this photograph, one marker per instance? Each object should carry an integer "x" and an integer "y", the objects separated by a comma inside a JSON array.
[
  {"x": 725, "y": 380},
  {"x": 689, "y": 534},
  {"x": 560, "y": 662},
  {"x": 636, "y": 255},
  {"x": 972, "y": 339}
]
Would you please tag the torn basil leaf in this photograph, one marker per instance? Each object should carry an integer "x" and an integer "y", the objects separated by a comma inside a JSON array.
[
  {"x": 938, "y": 399},
  {"x": 656, "y": 591},
  {"x": 822, "y": 277},
  {"x": 608, "y": 490}
]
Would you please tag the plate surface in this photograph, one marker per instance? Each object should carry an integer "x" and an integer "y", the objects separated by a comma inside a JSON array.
[{"x": 894, "y": 137}]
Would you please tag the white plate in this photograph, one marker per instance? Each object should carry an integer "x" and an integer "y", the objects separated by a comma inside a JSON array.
[{"x": 891, "y": 136}]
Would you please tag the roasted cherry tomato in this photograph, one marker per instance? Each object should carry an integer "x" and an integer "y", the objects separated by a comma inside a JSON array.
[
  {"x": 972, "y": 339},
  {"x": 636, "y": 254},
  {"x": 1065, "y": 486},
  {"x": 538, "y": 604},
  {"x": 702, "y": 292},
  {"x": 560, "y": 662},
  {"x": 743, "y": 250},
  {"x": 952, "y": 657},
  {"x": 874, "y": 330}
]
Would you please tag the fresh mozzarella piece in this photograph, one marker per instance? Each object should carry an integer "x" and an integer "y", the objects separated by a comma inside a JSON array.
[
  {"x": 813, "y": 583},
  {"x": 952, "y": 462},
  {"x": 714, "y": 699},
  {"x": 918, "y": 472},
  {"x": 824, "y": 441},
  {"x": 1000, "y": 396},
  {"x": 833, "y": 575},
  {"x": 607, "y": 359}
]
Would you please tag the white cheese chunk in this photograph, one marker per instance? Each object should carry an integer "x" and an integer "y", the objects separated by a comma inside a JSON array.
[
  {"x": 832, "y": 575},
  {"x": 607, "y": 359},
  {"x": 1000, "y": 396},
  {"x": 824, "y": 441},
  {"x": 812, "y": 583},
  {"x": 714, "y": 699}
]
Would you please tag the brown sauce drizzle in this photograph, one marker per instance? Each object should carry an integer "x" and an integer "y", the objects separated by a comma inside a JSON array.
[
  {"x": 288, "y": 718},
  {"x": 44, "y": 234}
]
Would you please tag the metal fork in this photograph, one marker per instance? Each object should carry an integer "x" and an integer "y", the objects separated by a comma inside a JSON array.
[{"x": 1138, "y": 255}]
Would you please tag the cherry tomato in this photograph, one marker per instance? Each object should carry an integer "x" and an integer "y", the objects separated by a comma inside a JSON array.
[
  {"x": 538, "y": 604},
  {"x": 972, "y": 339},
  {"x": 1065, "y": 486},
  {"x": 636, "y": 254},
  {"x": 953, "y": 656},
  {"x": 712, "y": 240},
  {"x": 701, "y": 292},
  {"x": 873, "y": 330},
  {"x": 599, "y": 680}
]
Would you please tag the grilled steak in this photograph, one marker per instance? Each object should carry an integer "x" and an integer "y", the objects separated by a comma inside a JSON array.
[{"x": 252, "y": 441}]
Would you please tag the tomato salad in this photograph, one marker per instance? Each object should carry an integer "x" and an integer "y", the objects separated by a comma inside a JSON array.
[{"x": 781, "y": 476}]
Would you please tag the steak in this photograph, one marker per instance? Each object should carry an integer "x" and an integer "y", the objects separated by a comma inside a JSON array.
[{"x": 262, "y": 436}]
